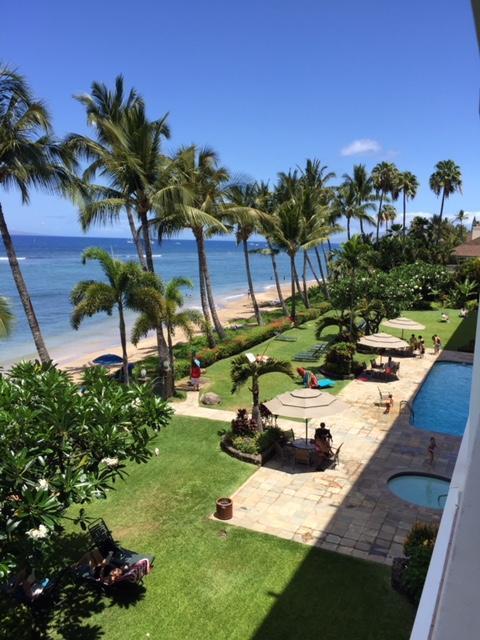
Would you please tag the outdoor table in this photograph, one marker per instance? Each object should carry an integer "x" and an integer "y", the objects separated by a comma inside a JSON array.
[{"x": 301, "y": 443}]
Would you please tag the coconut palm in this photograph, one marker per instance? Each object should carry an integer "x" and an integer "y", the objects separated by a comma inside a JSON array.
[
  {"x": 387, "y": 215},
  {"x": 445, "y": 180},
  {"x": 159, "y": 305},
  {"x": 206, "y": 184},
  {"x": 362, "y": 187},
  {"x": 90, "y": 297},
  {"x": 407, "y": 185},
  {"x": 460, "y": 218},
  {"x": 266, "y": 202},
  {"x": 241, "y": 209},
  {"x": 29, "y": 157},
  {"x": 244, "y": 370},
  {"x": 384, "y": 178},
  {"x": 6, "y": 317}
]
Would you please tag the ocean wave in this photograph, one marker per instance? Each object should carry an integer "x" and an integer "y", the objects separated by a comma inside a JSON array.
[
  {"x": 238, "y": 295},
  {"x": 5, "y": 259}
]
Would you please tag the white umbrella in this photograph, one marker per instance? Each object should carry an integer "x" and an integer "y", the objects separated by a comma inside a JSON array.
[
  {"x": 383, "y": 341},
  {"x": 403, "y": 323},
  {"x": 306, "y": 404}
]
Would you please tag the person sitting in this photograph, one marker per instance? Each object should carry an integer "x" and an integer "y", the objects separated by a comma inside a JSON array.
[
  {"x": 323, "y": 451},
  {"x": 26, "y": 588},
  {"x": 412, "y": 342},
  {"x": 463, "y": 312},
  {"x": 308, "y": 378},
  {"x": 100, "y": 568},
  {"x": 323, "y": 433},
  {"x": 445, "y": 317}
]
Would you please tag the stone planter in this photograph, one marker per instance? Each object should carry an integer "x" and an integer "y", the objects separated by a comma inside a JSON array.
[
  {"x": 252, "y": 458},
  {"x": 224, "y": 509}
]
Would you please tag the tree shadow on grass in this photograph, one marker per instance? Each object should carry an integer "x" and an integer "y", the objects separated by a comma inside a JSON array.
[
  {"x": 463, "y": 338},
  {"x": 68, "y": 610}
]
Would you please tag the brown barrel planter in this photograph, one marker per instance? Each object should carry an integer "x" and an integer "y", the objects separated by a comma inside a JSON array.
[{"x": 224, "y": 509}]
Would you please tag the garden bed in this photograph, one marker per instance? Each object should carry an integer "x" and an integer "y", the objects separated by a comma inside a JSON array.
[{"x": 258, "y": 459}]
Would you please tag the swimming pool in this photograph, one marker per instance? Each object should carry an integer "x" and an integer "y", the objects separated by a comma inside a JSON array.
[
  {"x": 422, "y": 489},
  {"x": 442, "y": 403}
]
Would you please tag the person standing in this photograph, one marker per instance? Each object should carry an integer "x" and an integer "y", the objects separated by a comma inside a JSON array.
[
  {"x": 431, "y": 450},
  {"x": 195, "y": 373}
]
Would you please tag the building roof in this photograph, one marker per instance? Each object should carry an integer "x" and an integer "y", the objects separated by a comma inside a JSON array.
[{"x": 470, "y": 249}]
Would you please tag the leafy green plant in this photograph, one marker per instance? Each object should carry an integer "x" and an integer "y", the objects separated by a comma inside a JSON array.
[
  {"x": 418, "y": 548},
  {"x": 62, "y": 446},
  {"x": 339, "y": 358}
]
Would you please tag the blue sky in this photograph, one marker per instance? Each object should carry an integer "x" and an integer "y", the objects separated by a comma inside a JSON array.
[{"x": 266, "y": 84}]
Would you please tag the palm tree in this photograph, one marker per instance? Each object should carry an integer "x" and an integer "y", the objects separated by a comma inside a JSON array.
[
  {"x": 243, "y": 370},
  {"x": 387, "y": 214},
  {"x": 347, "y": 204},
  {"x": 29, "y": 157},
  {"x": 266, "y": 202},
  {"x": 460, "y": 218},
  {"x": 159, "y": 304},
  {"x": 349, "y": 258},
  {"x": 445, "y": 180},
  {"x": 90, "y": 297},
  {"x": 6, "y": 317},
  {"x": 362, "y": 186},
  {"x": 205, "y": 183},
  {"x": 384, "y": 178},
  {"x": 407, "y": 185},
  {"x": 241, "y": 208}
]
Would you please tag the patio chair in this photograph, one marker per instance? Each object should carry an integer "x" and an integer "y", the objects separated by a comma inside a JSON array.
[
  {"x": 286, "y": 454},
  {"x": 383, "y": 395}
]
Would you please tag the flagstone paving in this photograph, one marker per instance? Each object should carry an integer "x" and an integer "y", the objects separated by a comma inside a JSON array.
[{"x": 349, "y": 509}]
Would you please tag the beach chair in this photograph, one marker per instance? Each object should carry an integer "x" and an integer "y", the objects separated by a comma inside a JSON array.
[{"x": 283, "y": 338}]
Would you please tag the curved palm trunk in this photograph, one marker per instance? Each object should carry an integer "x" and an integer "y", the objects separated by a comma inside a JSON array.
[
  {"x": 277, "y": 281},
  {"x": 317, "y": 279},
  {"x": 23, "y": 292},
  {"x": 256, "y": 309},
  {"x": 322, "y": 273},
  {"x": 204, "y": 302},
  {"x": 208, "y": 286},
  {"x": 136, "y": 239},
  {"x": 379, "y": 214},
  {"x": 123, "y": 341},
  {"x": 304, "y": 281},
  {"x": 292, "y": 299},
  {"x": 361, "y": 227},
  {"x": 440, "y": 217},
  {"x": 147, "y": 245}
]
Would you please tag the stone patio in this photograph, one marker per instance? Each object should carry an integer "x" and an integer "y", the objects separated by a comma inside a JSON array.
[{"x": 350, "y": 509}]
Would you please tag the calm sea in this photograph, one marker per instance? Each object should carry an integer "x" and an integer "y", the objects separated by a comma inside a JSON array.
[{"x": 52, "y": 266}]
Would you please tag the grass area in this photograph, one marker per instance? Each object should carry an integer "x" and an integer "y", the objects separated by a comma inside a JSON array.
[
  {"x": 454, "y": 335},
  {"x": 215, "y": 581}
]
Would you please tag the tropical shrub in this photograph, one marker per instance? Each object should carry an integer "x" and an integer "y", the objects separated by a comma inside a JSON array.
[
  {"x": 339, "y": 358},
  {"x": 418, "y": 549},
  {"x": 257, "y": 442},
  {"x": 243, "y": 425},
  {"x": 61, "y": 446}
]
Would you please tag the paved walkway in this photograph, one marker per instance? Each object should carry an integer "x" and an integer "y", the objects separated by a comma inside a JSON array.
[{"x": 348, "y": 509}]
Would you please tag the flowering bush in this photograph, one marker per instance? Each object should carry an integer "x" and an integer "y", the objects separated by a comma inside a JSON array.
[{"x": 60, "y": 445}]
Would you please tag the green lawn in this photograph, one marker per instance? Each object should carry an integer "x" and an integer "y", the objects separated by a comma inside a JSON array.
[
  {"x": 212, "y": 581},
  {"x": 454, "y": 334}
]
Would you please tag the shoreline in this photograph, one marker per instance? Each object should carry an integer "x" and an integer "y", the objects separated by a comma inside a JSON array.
[{"x": 237, "y": 307}]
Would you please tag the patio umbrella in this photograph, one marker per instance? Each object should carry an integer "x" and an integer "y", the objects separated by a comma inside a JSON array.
[
  {"x": 403, "y": 323},
  {"x": 383, "y": 341},
  {"x": 306, "y": 404},
  {"x": 108, "y": 360}
]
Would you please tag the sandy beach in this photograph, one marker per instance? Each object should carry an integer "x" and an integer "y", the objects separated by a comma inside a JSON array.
[{"x": 237, "y": 308}]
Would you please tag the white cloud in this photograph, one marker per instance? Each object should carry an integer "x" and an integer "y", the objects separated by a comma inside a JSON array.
[{"x": 361, "y": 146}]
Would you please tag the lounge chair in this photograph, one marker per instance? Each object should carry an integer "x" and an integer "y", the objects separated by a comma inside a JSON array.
[{"x": 283, "y": 338}]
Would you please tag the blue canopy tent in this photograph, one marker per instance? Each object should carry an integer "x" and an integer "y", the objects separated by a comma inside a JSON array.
[{"x": 108, "y": 360}]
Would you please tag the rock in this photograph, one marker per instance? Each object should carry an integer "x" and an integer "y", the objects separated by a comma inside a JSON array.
[{"x": 210, "y": 398}]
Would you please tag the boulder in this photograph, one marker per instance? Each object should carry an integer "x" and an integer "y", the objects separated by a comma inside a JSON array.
[{"x": 210, "y": 398}]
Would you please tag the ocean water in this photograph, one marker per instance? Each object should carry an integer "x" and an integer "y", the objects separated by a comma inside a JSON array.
[{"x": 52, "y": 266}]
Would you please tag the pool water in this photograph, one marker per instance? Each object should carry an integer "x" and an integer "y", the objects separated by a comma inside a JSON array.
[
  {"x": 442, "y": 403},
  {"x": 424, "y": 490}
]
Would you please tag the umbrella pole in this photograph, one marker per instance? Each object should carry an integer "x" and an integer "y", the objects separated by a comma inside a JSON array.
[{"x": 306, "y": 431}]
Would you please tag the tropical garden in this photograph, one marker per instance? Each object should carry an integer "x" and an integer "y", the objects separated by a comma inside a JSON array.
[{"x": 73, "y": 452}]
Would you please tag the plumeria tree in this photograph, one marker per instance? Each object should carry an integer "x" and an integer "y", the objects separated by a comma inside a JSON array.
[{"x": 60, "y": 447}]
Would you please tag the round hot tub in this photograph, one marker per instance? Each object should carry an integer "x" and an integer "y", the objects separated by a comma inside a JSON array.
[{"x": 423, "y": 489}]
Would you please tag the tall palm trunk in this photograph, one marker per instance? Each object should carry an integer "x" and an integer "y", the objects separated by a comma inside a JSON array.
[
  {"x": 208, "y": 286},
  {"x": 256, "y": 402},
  {"x": 277, "y": 281},
  {"x": 379, "y": 214},
  {"x": 322, "y": 273},
  {"x": 170, "y": 352},
  {"x": 292, "y": 299},
  {"x": 361, "y": 227},
  {"x": 440, "y": 218},
  {"x": 317, "y": 279},
  {"x": 136, "y": 239},
  {"x": 404, "y": 214},
  {"x": 304, "y": 281},
  {"x": 165, "y": 375},
  {"x": 204, "y": 302},
  {"x": 256, "y": 309},
  {"x": 23, "y": 292},
  {"x": 297, "y": 282},
  {"x": 123, "y": 341},
  {"x": 348, "y": 227}
]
